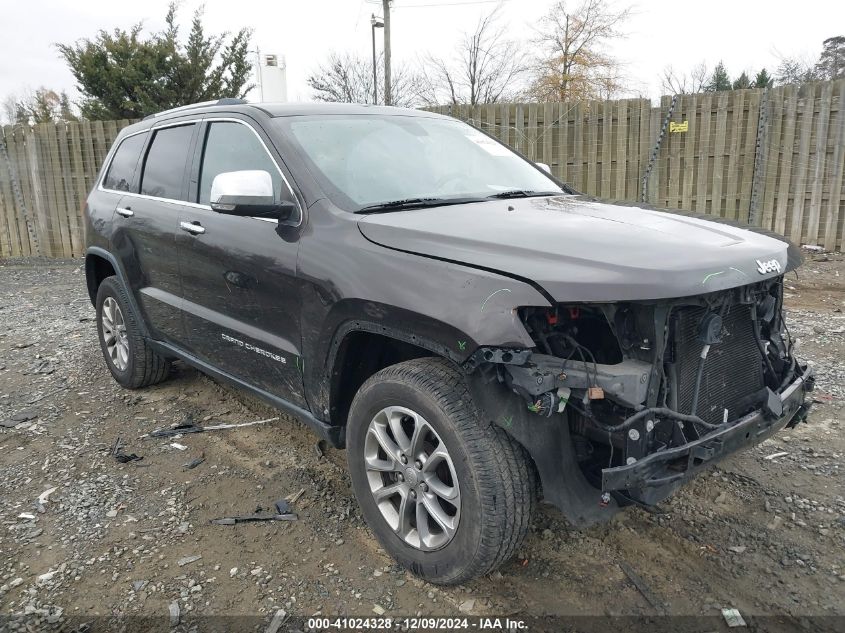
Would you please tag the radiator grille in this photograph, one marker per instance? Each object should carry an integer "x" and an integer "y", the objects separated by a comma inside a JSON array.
[{"x": 732, "y": 371}]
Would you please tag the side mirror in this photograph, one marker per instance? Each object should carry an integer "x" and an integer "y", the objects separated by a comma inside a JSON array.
[
  {"x": 248, "y": 193},
  {"x": 544, "y": 167}
]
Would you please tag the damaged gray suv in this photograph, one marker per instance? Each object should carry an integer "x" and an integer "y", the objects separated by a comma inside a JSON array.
[{"x": 476, "y": 334}]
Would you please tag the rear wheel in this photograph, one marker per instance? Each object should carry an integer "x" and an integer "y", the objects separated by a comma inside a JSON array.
[
  {"x": 448, "y": 496},
  {"x": 131, "y": 361}
]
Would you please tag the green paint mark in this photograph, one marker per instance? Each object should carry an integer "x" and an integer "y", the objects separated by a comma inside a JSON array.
[
  {"x": 507, "y": 421},
  {"x": 462, "y": 345},
  {"x": 721, "y": 272},
  {"x": 302, "y": 367}
]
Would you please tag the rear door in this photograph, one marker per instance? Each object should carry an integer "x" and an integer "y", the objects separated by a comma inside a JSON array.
[
  {"x": 146, "y": 223},
  {"x": 119, "y": 179},
  {"x": 239, "y": 284}
]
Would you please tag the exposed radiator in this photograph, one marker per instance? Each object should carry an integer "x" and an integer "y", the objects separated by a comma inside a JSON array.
[{"x": 732, "y": 371}]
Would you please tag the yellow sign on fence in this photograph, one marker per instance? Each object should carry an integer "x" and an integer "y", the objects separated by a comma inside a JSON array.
[{"x": 679, "y": 127}]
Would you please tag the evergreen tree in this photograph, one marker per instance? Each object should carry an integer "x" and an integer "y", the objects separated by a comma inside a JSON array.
[
  {"x": 719, "y": 80},
  {"x": 742, "y": 82},
  {"x": 122, "y": 74},
  {"x": 65, "y": 109},
  {"x": 763, "y": 79},
  {"x": 831, "y": 64}
]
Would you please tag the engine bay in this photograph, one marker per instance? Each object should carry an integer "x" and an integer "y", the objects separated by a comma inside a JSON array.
[{"x": 635, "y": 379}]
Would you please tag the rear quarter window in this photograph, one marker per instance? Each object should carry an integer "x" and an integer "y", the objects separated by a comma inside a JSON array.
[{"x": 121, "y": 171}]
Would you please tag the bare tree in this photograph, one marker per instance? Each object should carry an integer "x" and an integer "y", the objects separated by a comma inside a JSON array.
[
  {"x": 10, "y": 109},
  {"x": 611, "y": 82},
  {"x": 573, "y": 63},
  {"x": 794, "y": 70},
  {"x": 343, "y": 78},
  {"x": 487, "y": 67},
  {"x": 348, "y": 78},
  {"x": 676, "y": 83},
  {"x": 40, "y": 106},
  {"x": 799, "y": 69}
]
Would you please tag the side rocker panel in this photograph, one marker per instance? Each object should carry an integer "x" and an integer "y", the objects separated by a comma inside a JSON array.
[{"x": 332, "y": 434}]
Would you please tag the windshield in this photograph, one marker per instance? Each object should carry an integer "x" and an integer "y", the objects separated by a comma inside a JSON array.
[{"x": 367, "y": 161}]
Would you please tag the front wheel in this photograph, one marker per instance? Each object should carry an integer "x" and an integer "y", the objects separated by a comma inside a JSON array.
[{"x": 448, "y": 495}]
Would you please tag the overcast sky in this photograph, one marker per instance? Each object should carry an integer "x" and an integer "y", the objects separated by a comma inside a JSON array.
[{"x": 745, "y": 35}]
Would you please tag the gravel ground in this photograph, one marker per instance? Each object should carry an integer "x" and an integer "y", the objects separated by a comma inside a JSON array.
[{"x": 763, "y": 532}]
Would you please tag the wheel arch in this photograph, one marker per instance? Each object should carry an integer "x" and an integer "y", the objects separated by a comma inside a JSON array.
[
  {"x": 97, "y": 268},
  {"x": 100, "y": 264},
  {"x": 360, "y": 349}
]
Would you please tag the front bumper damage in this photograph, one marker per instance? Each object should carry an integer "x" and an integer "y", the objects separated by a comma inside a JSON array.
[
  {"x": 654, "y": 474},
  {"x": 651, "y": 479},
  {"x": 621, "y": 404}
]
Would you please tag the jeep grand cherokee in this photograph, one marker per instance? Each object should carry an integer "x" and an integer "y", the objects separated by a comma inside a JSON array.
[{"x": 468, "y": 327}]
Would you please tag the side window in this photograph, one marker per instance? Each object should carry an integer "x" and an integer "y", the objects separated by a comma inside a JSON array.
[
  {"x": 233, "y": 147},
  {"x": 122, "y": 167},
  {"x": 164, "y": 166}
]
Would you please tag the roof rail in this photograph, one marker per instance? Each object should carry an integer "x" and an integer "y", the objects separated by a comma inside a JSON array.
[
  {"x": 191, "y": 106},
  {"x": 231, "y": 101}
]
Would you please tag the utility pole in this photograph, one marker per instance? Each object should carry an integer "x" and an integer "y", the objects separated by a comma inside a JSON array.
[
  {"x": 387, "y": 93},
  {"x": 376, "y": 24},
  {"x": 258, "y": 75}
]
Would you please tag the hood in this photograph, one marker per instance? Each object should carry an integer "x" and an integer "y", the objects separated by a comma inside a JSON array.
[{"x": 578, "y": 249}]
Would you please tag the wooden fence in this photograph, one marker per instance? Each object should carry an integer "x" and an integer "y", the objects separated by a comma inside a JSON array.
[
  {"x": 772, "y": 157},
  {"x": 46, "y": 173}
]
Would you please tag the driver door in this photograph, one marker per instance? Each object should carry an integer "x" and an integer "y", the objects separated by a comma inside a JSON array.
[{"x": 241, "y": 297}]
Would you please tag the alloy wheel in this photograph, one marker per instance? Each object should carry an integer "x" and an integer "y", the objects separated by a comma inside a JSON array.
[
  {"x": 114, "y": 334},
  {"x": 412, "y": 478}
]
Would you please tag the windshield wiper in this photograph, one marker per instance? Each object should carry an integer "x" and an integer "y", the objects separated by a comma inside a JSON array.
[
  {"x": 420, "y": 203},
  {"x": 522, "y": 193},
  {"x": 414, "y": 203}
]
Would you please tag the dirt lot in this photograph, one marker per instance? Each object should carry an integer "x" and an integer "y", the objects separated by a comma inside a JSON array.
[{"x": 765, "y": 532}]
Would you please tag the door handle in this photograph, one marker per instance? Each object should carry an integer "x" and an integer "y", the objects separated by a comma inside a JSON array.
[
  {"x": 194, "y": 229},
  {"x": 126, "y": 213}
]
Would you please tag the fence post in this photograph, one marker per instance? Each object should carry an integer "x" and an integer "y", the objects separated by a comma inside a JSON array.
[
  {"x": 18, "y": 194},
  {"x": 759, "y": 173},
  {"x": 837, "y": 177},
  {"x": 656, "y": 149},
  {"x": 40, "y": 204}
]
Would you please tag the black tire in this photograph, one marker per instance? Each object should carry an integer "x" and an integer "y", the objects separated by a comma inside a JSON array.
[
  {"x": 145, "y": 367},
  {"x": 497, "y": 480}
]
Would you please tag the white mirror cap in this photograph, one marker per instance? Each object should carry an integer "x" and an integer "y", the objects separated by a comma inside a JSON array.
[
  {"x": 236, "y": 184},
  {"x": 544, "y": 167}
]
